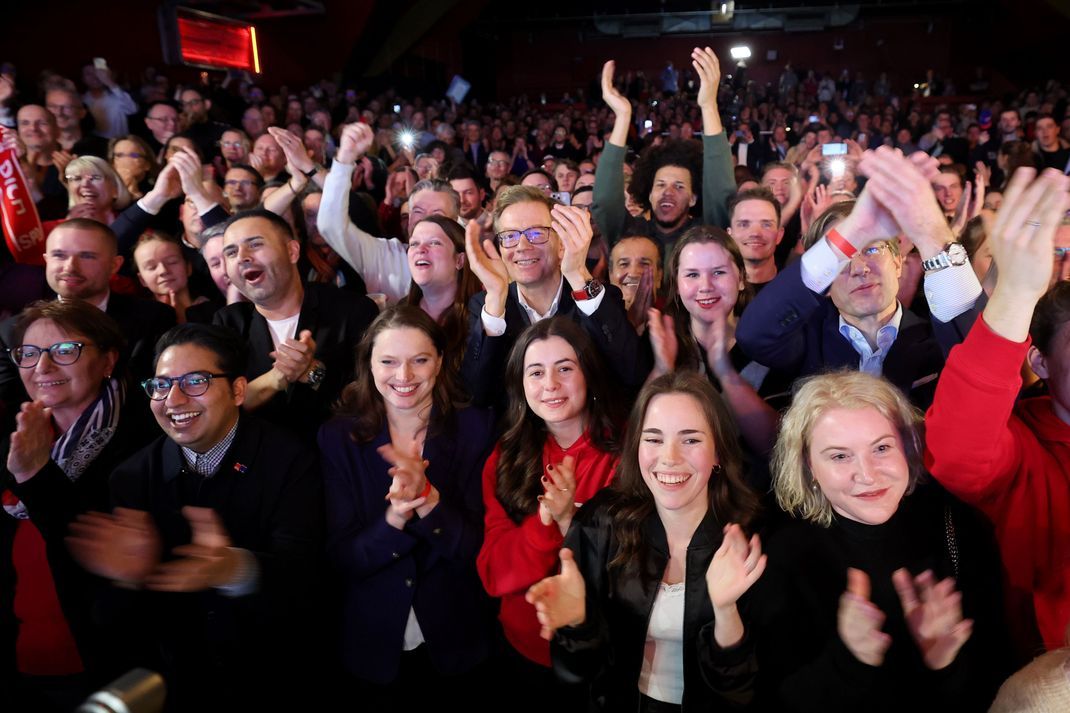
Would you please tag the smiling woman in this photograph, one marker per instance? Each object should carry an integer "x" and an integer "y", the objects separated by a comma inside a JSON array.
[
  {"x": 404, "y": 520},
  {"x": 75, "y": 430},
  {"x": 882, "y": 594}
]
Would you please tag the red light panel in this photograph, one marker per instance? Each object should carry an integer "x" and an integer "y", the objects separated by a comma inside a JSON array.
[{"x": 223, "y": 45}]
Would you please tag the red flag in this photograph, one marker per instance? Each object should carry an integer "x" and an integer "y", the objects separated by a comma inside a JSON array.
[{"x": 22, "y": 226}]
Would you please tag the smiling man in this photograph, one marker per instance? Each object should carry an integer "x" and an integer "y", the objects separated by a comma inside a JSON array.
[
  {"x": 80, "y": 258},
  {"x": 755, "y": 226},
  {"x": 853, "y": 256},
  {"x": 536, "y": 270},
  {"x": 301, "y": 336},
  {"x": 220, "y": 523}
]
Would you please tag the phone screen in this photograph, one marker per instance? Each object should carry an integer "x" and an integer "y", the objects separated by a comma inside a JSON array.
[{"x": 833, "y": 149}]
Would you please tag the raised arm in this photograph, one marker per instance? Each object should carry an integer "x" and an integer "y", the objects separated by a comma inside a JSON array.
[
  {"x": 609, "y": 211},
  {"x": 718, "y": 181}
]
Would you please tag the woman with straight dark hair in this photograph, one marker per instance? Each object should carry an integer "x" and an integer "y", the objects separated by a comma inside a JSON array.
[
  {"x": 558, "y": 449},
  {"x": 645, "y": 606},
  {"x": 401, "y": 468}
]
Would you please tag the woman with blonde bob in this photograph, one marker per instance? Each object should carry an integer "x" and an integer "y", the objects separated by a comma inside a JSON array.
[{"x": 881, "y": 592}]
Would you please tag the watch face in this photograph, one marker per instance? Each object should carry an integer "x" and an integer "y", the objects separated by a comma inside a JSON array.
[{"x": 956, "y": 253}]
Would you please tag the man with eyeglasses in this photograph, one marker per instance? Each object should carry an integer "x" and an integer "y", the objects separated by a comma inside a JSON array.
[
  {"x": 81, "y": 255},
  {"x": 382, "y": 262},
  {"x": 161, "y": 121},
  {"x": 69, "y": 111},
  {"x": 223, "y": 508},
  {"x": 791, "y": 326},
  {"x": 536, "y": 270},
  {"x": 241, "y": 186},
  {"x": 498, "y": 167}
]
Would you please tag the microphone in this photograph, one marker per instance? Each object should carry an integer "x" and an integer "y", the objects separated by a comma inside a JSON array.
[{"x": 137, "y": 691}]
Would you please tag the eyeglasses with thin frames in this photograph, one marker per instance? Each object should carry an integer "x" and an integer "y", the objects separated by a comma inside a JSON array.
[{"x": 536, "y": 235}]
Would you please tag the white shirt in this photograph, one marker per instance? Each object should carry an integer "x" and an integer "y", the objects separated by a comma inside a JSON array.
[
  {"x": 283, "y": 329},
  {"x": 495, "y": 326},
  {"x": 662, "y": 675},
  {"x": 872, "y": 361}
]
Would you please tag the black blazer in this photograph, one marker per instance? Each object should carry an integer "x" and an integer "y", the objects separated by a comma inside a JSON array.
[
  {"x": 483, "y": 368},
  {"x": 607, "y": 649},
  {"x": 337, "y": 319},
  {"x": 790, "y": 328},
  {"x": 142, "y": 323},
  {"x": 216, "y": 651}
]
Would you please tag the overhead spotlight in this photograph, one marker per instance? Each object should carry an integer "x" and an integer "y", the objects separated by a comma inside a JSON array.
[{"x": 740, "y": 52}]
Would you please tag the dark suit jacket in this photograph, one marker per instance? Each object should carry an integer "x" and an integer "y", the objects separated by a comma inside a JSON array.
[
  {"x": 483, "y": 368},
  {"x": 791, "y": 328},
  {"x": 213, "y": 649},
  {"x": 337, "y": 319},
  {"x": 141, "y": 321},
  {"x": 429, "y": 566}
]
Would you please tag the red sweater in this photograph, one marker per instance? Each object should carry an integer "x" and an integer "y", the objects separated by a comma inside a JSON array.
[
  {"x": 514, "y": 557},
  {"x": 1012, "y": 462}
]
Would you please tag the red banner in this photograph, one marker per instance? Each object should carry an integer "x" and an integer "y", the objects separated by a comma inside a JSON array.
[{"x": 22, "y": 226}]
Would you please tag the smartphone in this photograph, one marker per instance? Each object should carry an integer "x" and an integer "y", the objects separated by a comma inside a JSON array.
[
  {"x": 562, "y": 197},
  {"x": 100, "y": 63},
  {"x": 397, "y": 108},
  {"x": 648, "y": 124},
  {"x": 739, "y": 133},
  {"x": 814, "y": 118},
  {"x": 833, "y": 149}
]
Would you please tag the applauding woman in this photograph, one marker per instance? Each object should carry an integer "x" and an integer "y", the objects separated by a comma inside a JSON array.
[
  {"x": 645, "y": 605},
  {"x": 707, "y": 292},
  {"x": 404, "y": 516},
  {"x": 558, "y": 450},
  {"x": 883, "y": 595}
]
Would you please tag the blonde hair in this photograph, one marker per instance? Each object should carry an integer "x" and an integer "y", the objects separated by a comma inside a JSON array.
[
  {"x": 99, "y": 165},
  {"x": 793, "y": 482},
  {"x": 514, "y": 195}
]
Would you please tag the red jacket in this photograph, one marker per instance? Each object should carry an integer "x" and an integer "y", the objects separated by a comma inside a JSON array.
[
  {"x": 514, "y": 557},
  {"x": 1012, "y": 462}
]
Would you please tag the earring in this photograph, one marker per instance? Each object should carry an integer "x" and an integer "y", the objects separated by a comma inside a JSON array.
[
  {"x": 814, "y": 487},
  {"x": 717, "y": 471}
]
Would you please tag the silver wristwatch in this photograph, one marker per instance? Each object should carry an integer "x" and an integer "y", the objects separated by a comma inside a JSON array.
[{"x": 953, "y": 254}]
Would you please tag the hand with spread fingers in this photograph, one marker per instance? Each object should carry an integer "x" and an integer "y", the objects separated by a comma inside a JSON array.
[
  {"x": 933, "y": 612},
  {"x": 560, "y": 600},
  {"x": 207, "y": 562},
  {"x": 123, "y": 547}
]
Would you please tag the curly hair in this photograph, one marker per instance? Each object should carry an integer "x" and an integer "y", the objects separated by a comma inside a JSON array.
[
  {"x": 520, "y": 459},
  {"x": 683, "y": 153}
]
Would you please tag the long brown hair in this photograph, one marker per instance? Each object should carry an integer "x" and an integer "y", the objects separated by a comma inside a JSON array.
[
  {"x": 730, "y": 498},
  {"x": 362, "y": 401},
  {"x": 454, "y": 321},
  {"x": 674, "y": 306},
  {"x": 520, "y": 459}
]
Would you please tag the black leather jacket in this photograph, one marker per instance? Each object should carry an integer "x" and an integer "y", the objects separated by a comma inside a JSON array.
[{"x": 607, "y": 649}]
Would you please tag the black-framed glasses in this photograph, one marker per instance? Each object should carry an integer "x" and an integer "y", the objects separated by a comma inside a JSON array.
[
  {"x": 536, "y": 235},
  {"x": 26, "y": 356},
  {"x": 195, "y": 383}
]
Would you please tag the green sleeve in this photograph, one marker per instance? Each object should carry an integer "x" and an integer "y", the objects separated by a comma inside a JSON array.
[
  {"x": 609, "y": 211},
  {"x": 718, "y": 180}
]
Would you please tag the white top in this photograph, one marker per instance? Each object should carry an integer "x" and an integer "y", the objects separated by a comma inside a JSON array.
[
  {"x": 662, "y": 677},
  {"x": 414, "y": 636},
  {"x": 496, "y": 326},
  {"x": 110, "y": 110},
  {"x": 283, "y": 329},
  {"x": 382, "y": 262}
]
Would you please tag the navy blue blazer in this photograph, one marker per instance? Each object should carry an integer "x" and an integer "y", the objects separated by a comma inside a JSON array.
[
  {"x": 791, "y": 328},
  {"x": 429, "y": 566}
]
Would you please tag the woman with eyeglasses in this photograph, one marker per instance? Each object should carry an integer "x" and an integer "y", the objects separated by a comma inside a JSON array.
[
  {"x": 401, "y": 468},
  {"x": 133, "y": 160},
  {"x": 558, "y": 448},
  {"x": 74, "y": 431}
]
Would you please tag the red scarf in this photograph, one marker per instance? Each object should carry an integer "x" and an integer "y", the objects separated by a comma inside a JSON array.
[{"x": 22, "y": 226}]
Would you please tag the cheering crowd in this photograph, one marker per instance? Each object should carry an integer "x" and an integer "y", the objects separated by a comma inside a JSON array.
[{"x": 698, "y": 395}]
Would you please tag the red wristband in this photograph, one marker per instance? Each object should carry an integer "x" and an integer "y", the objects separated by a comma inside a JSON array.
[
  {"x": 840, "y": 243},
  {"x": 427, "y": 488}
]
